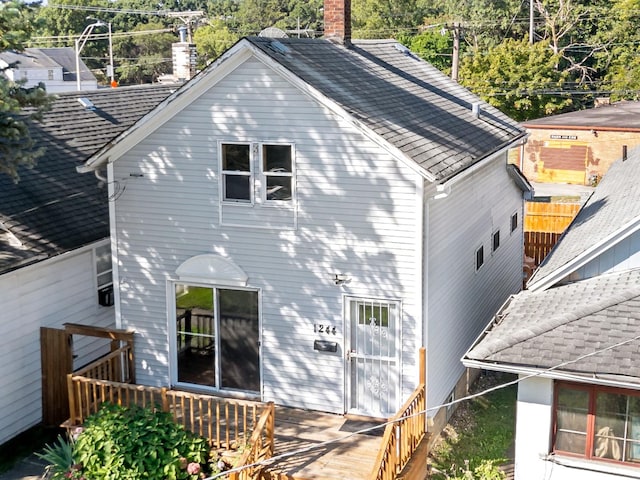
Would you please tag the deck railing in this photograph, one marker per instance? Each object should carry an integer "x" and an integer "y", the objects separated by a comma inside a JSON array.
[
  {"x": 116, "y": 366},
  {"x": 403, "y": 433},
  {"x": 226, "y": 423},
  {"x": 260, "y": 447}
]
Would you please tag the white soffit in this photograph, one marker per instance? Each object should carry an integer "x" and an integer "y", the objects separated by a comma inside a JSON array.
[{"x": 210, "y": 268}]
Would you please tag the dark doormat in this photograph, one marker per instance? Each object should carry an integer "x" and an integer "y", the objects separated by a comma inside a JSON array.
[{"x": 353, "y": 426}]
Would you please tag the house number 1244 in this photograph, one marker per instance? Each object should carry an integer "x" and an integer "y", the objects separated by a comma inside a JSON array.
[{"x": 319, "y": 328}]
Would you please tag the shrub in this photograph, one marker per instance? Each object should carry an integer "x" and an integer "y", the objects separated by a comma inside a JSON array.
[
  {"x": 121, "y": 443},
  {"x": 59, "y": 457}
]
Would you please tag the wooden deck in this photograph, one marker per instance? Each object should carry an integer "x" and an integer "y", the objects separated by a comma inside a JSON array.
[{"x": 352, "y": 458}]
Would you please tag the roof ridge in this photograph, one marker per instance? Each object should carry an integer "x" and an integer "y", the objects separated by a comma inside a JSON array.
[{"x": 491, "y": 346}]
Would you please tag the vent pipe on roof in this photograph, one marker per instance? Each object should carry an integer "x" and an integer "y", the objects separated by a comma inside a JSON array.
[
  {"x": 624, "y": 152},
  {"x": 182, "y": 31},
  {"x": 475, "y": 109}
]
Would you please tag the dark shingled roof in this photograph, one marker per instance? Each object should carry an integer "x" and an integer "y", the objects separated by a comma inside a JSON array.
[
  {"x": 617, "y": 116},
  {"x": 614, "y": 204},
  {"x": 54, "y": 209},
  {"x": 566, "y": 324},
  {"x": 400, "y": 97}
]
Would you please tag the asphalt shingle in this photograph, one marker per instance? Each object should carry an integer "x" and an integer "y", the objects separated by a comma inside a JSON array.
[
  {"x": 406, "y": 101},
  {"x": 53, "y": 208},
  {"x": 561, "y": 327}
]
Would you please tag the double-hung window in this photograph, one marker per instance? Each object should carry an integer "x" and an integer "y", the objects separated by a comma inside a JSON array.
[
  {"x": 237, "y": 181},
  {"x": 277, "y": 167},
  {"x": 257, "y": 173},
  {"x": 597, "y": 423}
]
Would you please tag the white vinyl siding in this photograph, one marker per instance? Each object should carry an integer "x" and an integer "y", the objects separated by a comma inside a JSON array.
[
  {"x": 621, "y": 256},
  {"x": 355, "y": 214},
  {"x": 462, "y": 300},
  {"x": 47, "y": 294}
]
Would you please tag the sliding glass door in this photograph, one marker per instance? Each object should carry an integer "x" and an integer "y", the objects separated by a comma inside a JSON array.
[{"x": 217, "y": 337}]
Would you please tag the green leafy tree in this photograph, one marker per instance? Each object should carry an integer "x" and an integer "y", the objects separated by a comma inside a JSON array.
[
  {"x": 619, "y": 59},
  {"x": 385, "y": 19},
  {"x": 483, "y": 23},
  {"x": 143, "y": 58},
  {"x": 434, "y": 46},
  {"x": 211, "y": 40},
  {"x": 518, "y": 78},
  {"x": 17, "y": 104}
]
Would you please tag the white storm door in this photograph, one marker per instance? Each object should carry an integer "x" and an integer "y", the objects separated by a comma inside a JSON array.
[{"x": 373, "y": 357}]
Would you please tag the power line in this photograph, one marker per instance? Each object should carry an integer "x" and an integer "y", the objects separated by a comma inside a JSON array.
[{"x": 438, "y": 407}]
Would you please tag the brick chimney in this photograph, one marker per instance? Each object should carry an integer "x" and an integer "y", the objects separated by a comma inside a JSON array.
[{"x": 337, "y": 21}]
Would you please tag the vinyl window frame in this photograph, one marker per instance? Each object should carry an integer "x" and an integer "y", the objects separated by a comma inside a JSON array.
[{"x": 592, "y": 433}]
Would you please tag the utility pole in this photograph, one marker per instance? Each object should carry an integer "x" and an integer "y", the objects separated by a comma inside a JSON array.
[
  {"x": 455, "y": 58},
  {"x": 531, "y": 11}
]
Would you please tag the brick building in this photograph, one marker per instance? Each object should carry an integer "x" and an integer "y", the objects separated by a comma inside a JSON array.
[{"x": 578, "y": 147}]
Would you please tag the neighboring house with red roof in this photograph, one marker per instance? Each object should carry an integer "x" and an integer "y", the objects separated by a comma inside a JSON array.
[
  {"x": 55, "y": 260},
  {"x": 573, "y": 337},
  {"x": 341, "y": 204}
]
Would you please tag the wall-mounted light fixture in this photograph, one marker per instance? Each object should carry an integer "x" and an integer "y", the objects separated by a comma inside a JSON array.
[{"x": 340, "y": 278}]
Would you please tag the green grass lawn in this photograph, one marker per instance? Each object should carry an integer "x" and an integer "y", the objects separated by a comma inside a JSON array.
[
  {"x": 481, "y": 430},
  {"x": 33, "y": 440}
]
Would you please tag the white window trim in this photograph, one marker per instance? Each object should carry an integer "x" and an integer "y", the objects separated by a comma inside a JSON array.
[
  {"x": 172, "y": 332},
  {"x": 264, "y": 175},
  {"x": 250, "y": 174}
]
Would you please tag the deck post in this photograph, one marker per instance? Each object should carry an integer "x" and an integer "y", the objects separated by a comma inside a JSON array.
[
  {"x": 423, "y": 381},
  {"x": 72, "y": 399}
]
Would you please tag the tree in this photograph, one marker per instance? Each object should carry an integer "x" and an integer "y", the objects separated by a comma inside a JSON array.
[
  {"x": 17, "y": 148},
  {"x": 143, "y": 58},
  {"x": 570, "y": 27},
  {"x": 384, "y": 19},
  {"x": 619, "y": 59},
  {"x": 433, "y": 45},
  {"x": 519, "y": 79},
  {"x": 211, "y": 40}
]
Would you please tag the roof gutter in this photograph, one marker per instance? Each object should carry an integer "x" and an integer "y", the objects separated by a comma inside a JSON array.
[
  {"x": 549, "y": 373},
  {"x": 461, "y": 175}
]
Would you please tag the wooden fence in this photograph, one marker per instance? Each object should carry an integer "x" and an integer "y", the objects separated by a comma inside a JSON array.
[
  {"x": 403, "y": 433},
  {"x": 544, "y": 223}
]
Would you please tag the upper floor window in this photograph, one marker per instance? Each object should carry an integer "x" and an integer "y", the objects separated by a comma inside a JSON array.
[
  {"x": 514, "y": 222},
  {"x": 255, "y": 170},
  {"x": 277, "y": 170},
  {"x": 236, "y": 172},
  {"x": 597, "y": 423}
]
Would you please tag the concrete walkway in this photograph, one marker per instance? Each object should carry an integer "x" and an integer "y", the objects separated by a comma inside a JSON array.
[{"x": 30, "y": 468}]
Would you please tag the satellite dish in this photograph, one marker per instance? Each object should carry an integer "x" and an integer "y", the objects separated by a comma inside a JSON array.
[{"x": 272, "y": 32}]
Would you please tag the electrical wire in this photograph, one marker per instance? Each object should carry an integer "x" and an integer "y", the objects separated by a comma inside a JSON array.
[{"x": 272, "y": 460}]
